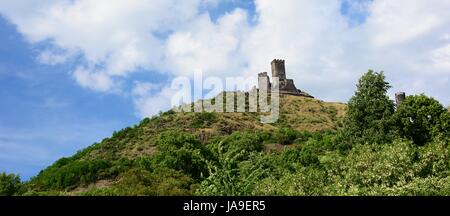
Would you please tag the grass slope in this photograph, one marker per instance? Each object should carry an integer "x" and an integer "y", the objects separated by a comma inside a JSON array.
[{"x": 112, "y": 160}]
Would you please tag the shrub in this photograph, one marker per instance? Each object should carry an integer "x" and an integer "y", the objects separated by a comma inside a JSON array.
[
  {"x": 366, "y": 166},
  {"x": 421, "y": 118},
  {"x": 203, "y": 119},
  {"x": 308, "y": 157},
  {"x": 285, "y": 135},
  {"x": 181, "y": 151},
  {"x": 433, "y": 160},
  {"x": 9, "y": 184},
  {"x": 400, "y": 168},
  {"x": 304, "y": 156},
  {"x": 225, "y": 176},
  {"x": 139, "y": 182},
  {"x": 71, "y": 174},
  {"x": 248, "y": 141},
  {"x": 305, "y": 182}
]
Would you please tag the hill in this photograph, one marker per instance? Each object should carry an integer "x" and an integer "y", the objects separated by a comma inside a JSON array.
[
  {"x": 370, "y": 146},
  {"x": 108, "y": 162}
]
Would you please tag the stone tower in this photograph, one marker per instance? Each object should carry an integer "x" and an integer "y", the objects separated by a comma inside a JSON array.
[
  {"x": 279, "y": 70},
  {"x": 399, "y": 98}
]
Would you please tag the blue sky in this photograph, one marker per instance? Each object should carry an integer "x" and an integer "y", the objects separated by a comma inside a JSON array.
[
  {"x": 67, "y": 82},
  {"x": 46, "y": 115}
]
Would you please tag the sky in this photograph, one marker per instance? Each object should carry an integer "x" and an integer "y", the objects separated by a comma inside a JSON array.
[{"x": 74, "y": 71}]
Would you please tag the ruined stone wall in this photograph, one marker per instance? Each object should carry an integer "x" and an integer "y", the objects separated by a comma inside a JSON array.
[
  {"x": 289, "y": 86},
  {"x": 286, "y": 86}
]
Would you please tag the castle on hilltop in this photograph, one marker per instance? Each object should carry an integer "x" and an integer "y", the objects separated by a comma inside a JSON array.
[{"x": 286, "y": 86}]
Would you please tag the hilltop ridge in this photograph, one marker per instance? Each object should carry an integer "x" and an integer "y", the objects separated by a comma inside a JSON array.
[
  {"x": 141, "y": 141},
  {"x": 370, "y": 146}
]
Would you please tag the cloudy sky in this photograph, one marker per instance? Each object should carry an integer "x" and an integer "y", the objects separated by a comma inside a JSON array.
[{"x": 73, "y": 71}]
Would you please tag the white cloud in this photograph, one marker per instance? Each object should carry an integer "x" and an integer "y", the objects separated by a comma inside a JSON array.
[
  {"x": 441, "y": 58},
  {"x": 324, "y": 54},
  {"x": 404, "y": 20},
  {"x": 114, "y": 37},
  {"x": 95, "y": 80},
  {"x": 311, "y": 36},
  {"x": 211, "y": 47},
  {"x": 148, "y": 102},
  {"x": 53, "y": 57},
  {"x": 143, "y": 88}
]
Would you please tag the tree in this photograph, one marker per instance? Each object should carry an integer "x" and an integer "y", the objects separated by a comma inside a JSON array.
[
  {"x": 226, "y": 178},
  {"x": 244, "y": 140},
  {"x": 421, "y": 118},
  {"x": 9, "y": 184},
  {"x": 181, "y": 151},
  {"x": 369, "y": 111}
]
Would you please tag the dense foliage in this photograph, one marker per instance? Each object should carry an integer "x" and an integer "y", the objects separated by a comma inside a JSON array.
[
  {"x": 369, "y": 113},
  {"x": 379, "y": 150},
  {"x": 181, "y": 151},
  {"x": 420, "y": 118},
  {"x": 9, "y": 184}
]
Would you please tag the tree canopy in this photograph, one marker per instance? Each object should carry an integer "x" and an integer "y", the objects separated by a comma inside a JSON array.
[{"x": 369, "y": 111}]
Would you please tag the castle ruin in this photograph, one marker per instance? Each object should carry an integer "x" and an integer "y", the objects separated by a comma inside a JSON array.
[
  {"x": 399, "y": 98},
  {"x": 286, "y": 86}
]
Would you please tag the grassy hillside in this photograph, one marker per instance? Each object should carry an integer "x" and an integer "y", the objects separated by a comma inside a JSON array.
[
  {"x": 367, "y": 147},
  {"x": 108, "y": 162}
]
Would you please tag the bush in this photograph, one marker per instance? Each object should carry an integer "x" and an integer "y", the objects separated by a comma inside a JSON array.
[
  {"x": 64, "y": 175},
  {"x": 433, "y": 160},
  {"x": 421, "y": 118},
  {"x": 430, "y": 186},
  {"x": 181, "y": 151},
  {"x": 308, "y": 157},
  {"x": 366, "y": 166},
  {"x": 305, "y": 182},
  {"x": 238, "y": 164},
  {"x": 9, "y": 184},
  {"x": 285, "y": 135},
  {"x": 247, "y": 141},
  {"x": 203, "y": 119},
  {"x": 226, "y": 178},
  {"x": 304, "y": 156},
  {"x": 139, "y": 182},
  {"x": 395, "y": 169}
]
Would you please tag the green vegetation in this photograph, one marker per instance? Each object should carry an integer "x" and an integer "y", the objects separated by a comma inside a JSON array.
[
  {"x": 203, "y": 119},
  {"x": 316, "y": 148},
  {"x": 9, "y": 184},
  {"x": 66, "y": 173},
  {"x": 420, "y": 118},
  {"x": 285, "y": 135},
  {"x": 369, "y": 114},
  {"x": 181, "y": 151},
  {"x": 134, "y": 182}
]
